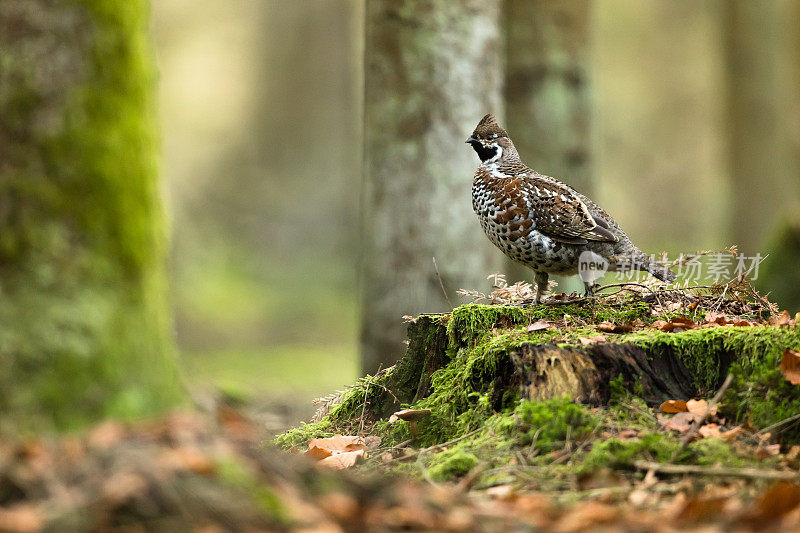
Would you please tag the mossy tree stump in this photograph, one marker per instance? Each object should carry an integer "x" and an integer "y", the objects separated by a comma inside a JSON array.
[{"x": 482, "y": 360}]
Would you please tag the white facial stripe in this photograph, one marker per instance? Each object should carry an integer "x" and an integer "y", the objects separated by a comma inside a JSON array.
[{"x": 497, "y": 156}]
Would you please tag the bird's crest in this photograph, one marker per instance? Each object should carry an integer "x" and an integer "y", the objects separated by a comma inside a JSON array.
[{"x": 489, "y": 126}]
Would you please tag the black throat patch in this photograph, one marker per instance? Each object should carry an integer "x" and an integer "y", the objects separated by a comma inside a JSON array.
[{"x": 483, "y": 152}]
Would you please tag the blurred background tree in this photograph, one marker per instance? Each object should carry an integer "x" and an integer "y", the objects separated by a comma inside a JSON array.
[
  {"x": 547, "y": 94},
  {"x": 83, "y": 315},
  {"x": 261, "y": 109},
  {"x": 428, "y": 67},
  {"x": 762, "y": 67}
]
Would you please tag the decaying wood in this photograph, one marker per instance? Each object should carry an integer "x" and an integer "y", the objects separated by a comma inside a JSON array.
[{"x": 585, "y": 373}]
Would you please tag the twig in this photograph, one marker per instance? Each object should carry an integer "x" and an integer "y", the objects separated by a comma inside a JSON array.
[
  {"x": 569, "y": 455},
  {"x": 364, "y": 406},
  {"x": 435, "y": 446},
  {"x": 696, "y": 426},
  {"x": 751, "y": 473},
  {"x": 721, "y": 298},
  {"x": 441, "y": 284},
  {"x": 785, "y": 421}
]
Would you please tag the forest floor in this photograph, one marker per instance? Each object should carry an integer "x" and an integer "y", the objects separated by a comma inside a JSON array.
[
  {"x": 468, "y": 455},
  {"x": 212, "y": 473}
]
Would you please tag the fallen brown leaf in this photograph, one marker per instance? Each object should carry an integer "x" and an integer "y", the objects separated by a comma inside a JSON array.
[
  {"x": 790, "y": 366},
  {"x": 792, "y": 457},
  {"x": 700, "y": 509},
  {"x": 342, "y": 460},
  {"x": 539, "y": 325},
  {"x": 502, "y": 492},
  {"x": 680, "y": 422},
  {"x": 343, "y": 507},
  {"x": 698, "y": 408},
  {"x": 188, "y": 459},
  {"x": 22, "y": 518},
  {"x": 716, "y": 318},
  {"x": 674, "y": 406},
  {"x": 591, "y": 340},
  {"x": 663, "y": 325},
  {"x": 682, "y": 323},
  {"x": 783, "y": 320},
  {"x": 678, "y": 323},
  {"x": 338, "y": 443},
  {"x": 121, "y": 487},
  {"x": 775, "y": 502},
  {"x": 105, "y": 435},
  {"x": 714, "y": 431},
  {"x": 316, "y": 453},
  {"x": 610, "y": 327},
  {"x": 770, "y": 450}
]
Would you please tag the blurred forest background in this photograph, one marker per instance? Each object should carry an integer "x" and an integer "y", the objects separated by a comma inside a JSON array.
[{"x": 260, "y": 106}]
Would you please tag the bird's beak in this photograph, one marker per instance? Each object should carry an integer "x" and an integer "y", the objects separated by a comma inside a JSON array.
[{"x": 470, "y": 139}]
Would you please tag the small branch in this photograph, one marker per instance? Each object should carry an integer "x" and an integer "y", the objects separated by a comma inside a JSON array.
[
  {"x": 434, "y": 447},
  {"x": 783, "y": 422},
  {"x": 364, "y": 406},
  {"x": 695, "y": 426},
  {"x": 750, "y": 473},
  {"x": 441, "y": 284},
  {"x": 698, "y": 423}
]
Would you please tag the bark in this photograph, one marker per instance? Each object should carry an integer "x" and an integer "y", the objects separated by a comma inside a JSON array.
[
  {"x": 432, "y": 69},
  {"x": 584, "y": 374},
  {"x": 762, "y": 73},
  {"x": 547, "y": 93},
  {"x": 83, "y": 315}
]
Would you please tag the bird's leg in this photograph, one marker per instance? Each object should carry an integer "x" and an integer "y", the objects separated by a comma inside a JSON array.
[
  {"x": 541, "y": 285},
  {"x": 590, "y": 287}
]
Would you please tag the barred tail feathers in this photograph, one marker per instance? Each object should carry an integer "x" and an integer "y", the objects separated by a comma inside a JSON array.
[{"x": 655, "y": 268}]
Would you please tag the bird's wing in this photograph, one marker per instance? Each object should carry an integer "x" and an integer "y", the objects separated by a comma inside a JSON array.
[{"x": 561, "y": 214}]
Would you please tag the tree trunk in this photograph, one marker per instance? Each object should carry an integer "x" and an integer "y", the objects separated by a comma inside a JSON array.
[
  {"x": 547, "y": 91},
  {"x": 83, "y": 314},
  {"x": 763, "y": 103},
  {"x": 432, "y": 69}
]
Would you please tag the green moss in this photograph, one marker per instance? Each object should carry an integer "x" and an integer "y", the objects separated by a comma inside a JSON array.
[
  {"x": 710, "y": 452},
  {"x": 452, "y": 464},
  {"x": 84, "y": 325},
  {"x": 546, "y": 423},
  {"x": 761, "y": 396},
  {"x": 659, "y": 447},
  {"x": 299, "y": 435},
  {"x": 469, "y": 322},
  {"x": 707, "y": 352},
  {"x": 475, "y": 388},
  {"x": 617, "y": 453}
]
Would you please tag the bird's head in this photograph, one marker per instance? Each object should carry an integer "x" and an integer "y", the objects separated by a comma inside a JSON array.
[{"x": 489, "y": 140}]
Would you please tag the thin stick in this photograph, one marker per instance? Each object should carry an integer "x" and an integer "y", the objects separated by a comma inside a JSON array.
[
  {"x": 434, "y": 447},
  {"x": 696, "y": 427},
  {"x": 779, "y": 424},
  {"x": 364, "y": 406},
  {"x": 439, "y": 277},
  {"x": 751, "y": 473}
]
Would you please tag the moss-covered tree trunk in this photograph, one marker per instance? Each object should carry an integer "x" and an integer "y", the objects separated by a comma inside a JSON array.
[
  {"x": 432, "y": 70},
  {"x": 83, "y": 315},
  {"x": 547, "y": 92}
]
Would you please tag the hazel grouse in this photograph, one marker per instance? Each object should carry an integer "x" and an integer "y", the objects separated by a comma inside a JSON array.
[{"x": 542, "y": 223}]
